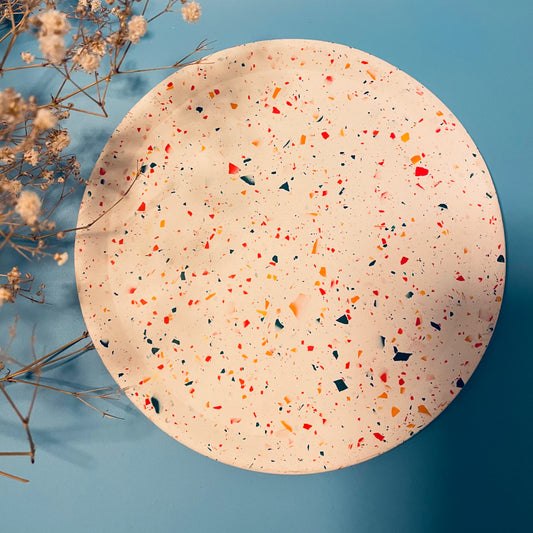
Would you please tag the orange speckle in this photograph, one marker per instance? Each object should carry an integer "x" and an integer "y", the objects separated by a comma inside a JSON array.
[
  {"x": 276, "y": 92},
  {"x": 439, "y": 113},
  {"x": 162, "y": 224},
  {"x": 405, "y": 137},
  {"x": 302, "y": 139},
  {"x": 234, "y": 106},
  {"x": 287, "y": 400},
  {"x": 384, "y": 395},
  {"x": 354, "y": 299},
  {"x": 322, "y": 271},
  {"x": 286, "y": 425},
  {"x": 255, "y": 143},
  {"x": 415, "y": 159},
  {"x": 394, "y": 411},
  {"x": 371, "y": 74},
  {"x": 315, "y": 247},
  {"x": 210, "y": 296},
  {"x": 423, "y": 409},
  {"x": 347, "y": 65}
]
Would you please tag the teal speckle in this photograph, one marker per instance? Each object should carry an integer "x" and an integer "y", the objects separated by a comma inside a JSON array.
[{"x": 155, "y": 403}]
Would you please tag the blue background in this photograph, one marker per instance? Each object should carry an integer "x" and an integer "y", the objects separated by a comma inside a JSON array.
[{"x": 470, "y": 470}]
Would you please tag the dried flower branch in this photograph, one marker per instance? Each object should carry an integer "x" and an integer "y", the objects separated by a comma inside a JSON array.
[{"x": 84, "y": 45}]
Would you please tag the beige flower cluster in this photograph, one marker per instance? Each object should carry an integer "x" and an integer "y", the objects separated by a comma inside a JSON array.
[
  {"x": 191, "y": 12},
  {"x": 53, "y": 26}
]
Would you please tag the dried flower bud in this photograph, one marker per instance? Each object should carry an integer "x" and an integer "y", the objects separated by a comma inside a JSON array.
[
  {"x": 44, "y": 119},
  {"x": 27, "y": 57},
  {"x": 191, "y": 12},
  {"x": 137, "y": 27},
  {"x": 28, "y": 206},
  {"x": 61, "y": 259},
  {"x": 5, "y": 296}
]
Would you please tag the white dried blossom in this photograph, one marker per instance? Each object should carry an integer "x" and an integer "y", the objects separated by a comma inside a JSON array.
[
  {"x": 87, "y": 61},
  {"x": 61, "y": 259},
  {"x": 96, "y": 5},
  {"x": 60, "y": 235},
  {"x": 31, "y": 157},
  {"x": 98, "y": 47},
  {"x": 10, "y": 186},
  {"x": 136, "y": 28},
  {"x": 12, "y": 106},
  {"x": 13, "y": 277},
  {"x": 191, "y": 12},
  {"x": 53, "y": 22},
  {"x": 53, "y": 47},
  {"x": 7, "y": 154},
  {"x": 57, "y": 141},
  {"x": 27, "y": 57},
  {"x": 28, "y": 206},
  {"x": 44, "y": 119},
  {"x": 5, "y": 296}
]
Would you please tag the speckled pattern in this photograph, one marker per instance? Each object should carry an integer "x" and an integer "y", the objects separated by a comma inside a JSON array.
[{"x": 310, "y": 265}]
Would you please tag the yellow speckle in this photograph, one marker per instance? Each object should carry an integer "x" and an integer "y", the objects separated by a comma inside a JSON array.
[{"x": 405, "y": 137}]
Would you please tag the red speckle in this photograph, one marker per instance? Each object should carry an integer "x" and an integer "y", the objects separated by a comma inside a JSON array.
[
  {"x": 275, "y": 110},
  {"x": 166, "y": 320},
  {"x": 132, "y": 290},
  {"x": 246, "y": 323},
  {"x": 102, "y": 171},
  {"x": 142, "y": 207},
  {"x": 325, "y": 134},
  {"x": 421, "y": 171},
  {"x": 392, "y": 136},
  {"x": 460, "y": 278},
  {"x": 233, "y": 169},
  {"x": 310, "y": 348},
  {"x": 235, "y": 420},
  {"x": 168, "y": 148},
  {"x": 375, "y": 132},
  {"x": 404, "y": 260},
  {"x": 307, "y": 426},
  {"x": 217, "y": 407},
  {"x": 216, "y": 91},
  {"x": 383, "y": 377},
  {"x": 208, "y": 358},
  {"x": 418, "y": 321},
  {"x": 329, "y": 78},
  {"x": 161, "y": 367},
  {"x": 379, "y": 436},
  {"x": 401, "y": 382}
]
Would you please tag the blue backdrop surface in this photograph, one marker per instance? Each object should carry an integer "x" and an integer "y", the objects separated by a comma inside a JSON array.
[{"x": 470, "y": 470}]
